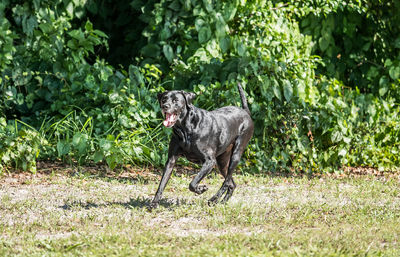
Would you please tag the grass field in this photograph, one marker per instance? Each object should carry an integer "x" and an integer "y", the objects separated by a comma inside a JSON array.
[{"x": 60, "y": 214}]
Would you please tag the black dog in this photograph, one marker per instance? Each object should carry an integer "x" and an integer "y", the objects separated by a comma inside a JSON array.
[{"x": 207, "y": 137}]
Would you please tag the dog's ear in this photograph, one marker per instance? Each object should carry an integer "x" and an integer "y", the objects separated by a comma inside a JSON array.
[
  {"x": 160, "y": 95},
  {"x": 189, "y": 96}
]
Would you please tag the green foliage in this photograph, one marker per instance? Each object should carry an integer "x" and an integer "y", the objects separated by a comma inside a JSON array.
[
  {"x": 359, "y": 44},
  {"x": 6, "y": 43},
  {"x": 19, "y": 146},
  {"x": 353, "y": 128},
  {"x": 321, "y": 78}
]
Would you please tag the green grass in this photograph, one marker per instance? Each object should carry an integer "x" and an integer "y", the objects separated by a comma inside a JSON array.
[{"x": 61, "y": 215}]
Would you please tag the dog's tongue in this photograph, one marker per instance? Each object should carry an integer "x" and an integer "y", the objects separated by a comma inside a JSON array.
[{"x": 169, "y": 119}]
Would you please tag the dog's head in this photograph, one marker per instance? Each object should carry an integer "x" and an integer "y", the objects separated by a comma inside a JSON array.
[{"x": 174, "y": 105}]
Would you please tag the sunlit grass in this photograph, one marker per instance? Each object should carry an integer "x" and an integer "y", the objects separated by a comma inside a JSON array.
[{"x": 95, "y": 216}]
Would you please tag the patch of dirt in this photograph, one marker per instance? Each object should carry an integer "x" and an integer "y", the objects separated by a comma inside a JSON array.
[
  {"x": 150, "y": 173},
  {"x": 368, "y": 171},
  {"x": 56, "y": 168},
  {"x": 191, "y": 226},
  {"x": 345, "y": 172},
  {"x": 48, "y": 236}
]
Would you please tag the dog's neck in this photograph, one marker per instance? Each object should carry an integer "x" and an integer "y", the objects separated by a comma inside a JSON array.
[
  {"x": 180, "y": 129},
  {"x": 183, "y": 118}
]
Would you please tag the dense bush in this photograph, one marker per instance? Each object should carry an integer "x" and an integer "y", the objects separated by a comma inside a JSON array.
[
  {"x": 359, "y": 44},
  {"x": 79, "y": 78}
]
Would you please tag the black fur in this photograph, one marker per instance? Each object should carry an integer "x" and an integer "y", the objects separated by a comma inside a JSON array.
[{"x": 210, "y": 138}]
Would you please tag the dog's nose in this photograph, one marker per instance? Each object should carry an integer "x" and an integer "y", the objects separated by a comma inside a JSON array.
[{"x": 165, "y": 106}]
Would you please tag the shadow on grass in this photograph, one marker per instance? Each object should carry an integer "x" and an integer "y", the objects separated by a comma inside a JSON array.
[{"x": 133, "y": 203}]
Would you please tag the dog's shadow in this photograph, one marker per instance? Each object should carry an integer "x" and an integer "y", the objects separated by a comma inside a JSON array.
[{"x": 133, "y": 203}]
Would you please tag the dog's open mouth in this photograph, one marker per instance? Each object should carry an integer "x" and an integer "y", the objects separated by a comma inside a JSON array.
[{"x": 170, "y": 119}]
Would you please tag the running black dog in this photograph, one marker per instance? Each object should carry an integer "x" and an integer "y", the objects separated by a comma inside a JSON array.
[{"x": 206, "y": 137}]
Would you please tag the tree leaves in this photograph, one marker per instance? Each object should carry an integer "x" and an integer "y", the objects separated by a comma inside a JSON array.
[
  {"x": 168, "y": 52},
  {"x": 324, "y": 42},
  {"x": 29, "y": 24},
  {"x": 229, "y": 10},
  {"x": 348, "y": 41},
  {"x": 224, "y": 44},
  {"x": 394, "y": 72},
  {"x": 287, "y": 90},
  {"x": 208, "y": 5},
  {"x": 151, "y": 50},
  {"x": 220, "y": 26},
  {"x": 212, "y": 48},
  {"x": 276, "y": 88},
  {"x": 304, "y": 119},
  {"x": 204, "y": 34}
]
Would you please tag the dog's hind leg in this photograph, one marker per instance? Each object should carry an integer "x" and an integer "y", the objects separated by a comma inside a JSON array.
[
  {"x": 229, "y": 185},
  {"x": 230, "y": 188},
  {"x": 223, "y": 165},
  {"x": 221, "y": 191},
  {"x": 223, "y": 161}
]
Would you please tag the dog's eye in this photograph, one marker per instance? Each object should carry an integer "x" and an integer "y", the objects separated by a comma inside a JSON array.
[{"x": 175, "y": 101}]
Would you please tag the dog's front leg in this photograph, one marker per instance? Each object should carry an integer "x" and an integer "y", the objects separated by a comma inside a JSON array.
[
  {"x": 165, "y": 177},
  {"x": 172, "y": 157}
]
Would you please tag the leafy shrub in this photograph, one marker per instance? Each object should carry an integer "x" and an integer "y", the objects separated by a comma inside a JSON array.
[
  {"x": 19, "y": 146},
  {"x": 359, "y": 43},
  {"x": 322, "y": 86}
]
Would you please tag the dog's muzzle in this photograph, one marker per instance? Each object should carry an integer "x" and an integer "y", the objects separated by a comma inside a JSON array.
[{"x": 170, "y": 119}]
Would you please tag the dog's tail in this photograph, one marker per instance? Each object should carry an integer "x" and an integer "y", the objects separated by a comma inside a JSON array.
[{"x": 243, "y": 98}]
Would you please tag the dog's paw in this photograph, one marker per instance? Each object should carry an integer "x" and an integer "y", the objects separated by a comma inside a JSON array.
[
  {"x": 212, "y": 201},
  {"x": 152, "y": 206},
  {"x": 201, "y": 189}
]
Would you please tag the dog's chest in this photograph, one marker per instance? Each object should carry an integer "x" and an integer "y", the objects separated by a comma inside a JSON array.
[
  {"x": 184, "y": 138},
  {"x": 187, "y": 142}
]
